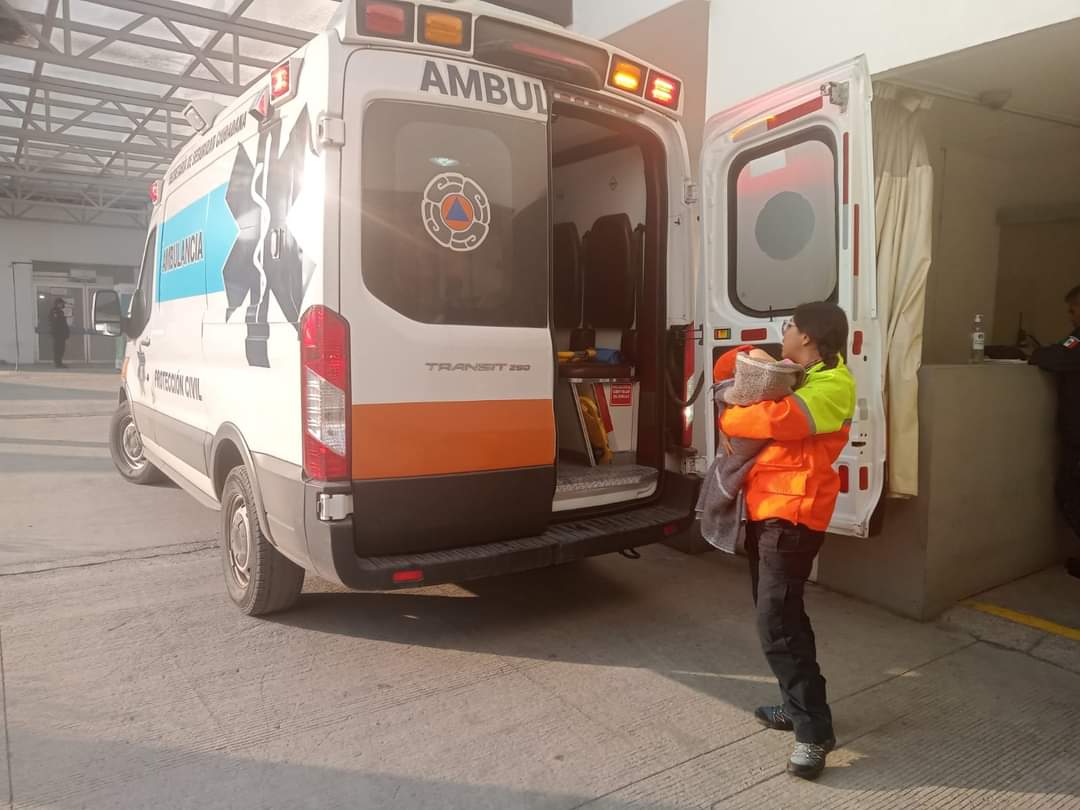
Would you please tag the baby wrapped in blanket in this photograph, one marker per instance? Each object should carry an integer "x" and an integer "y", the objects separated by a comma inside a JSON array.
[{"x": 758, "y": 377}]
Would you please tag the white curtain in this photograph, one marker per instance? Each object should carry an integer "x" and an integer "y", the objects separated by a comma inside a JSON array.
[{"x": 903, "y": 205}]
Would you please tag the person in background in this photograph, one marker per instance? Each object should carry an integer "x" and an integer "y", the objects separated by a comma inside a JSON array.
[
  {"x": 1063, "y": 361},
  {"x": 790, "y": 496},
  {"x": 58, "y": 328}
]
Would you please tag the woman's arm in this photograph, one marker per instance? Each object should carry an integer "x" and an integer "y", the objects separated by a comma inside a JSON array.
[{"x": 785, "y": 420}]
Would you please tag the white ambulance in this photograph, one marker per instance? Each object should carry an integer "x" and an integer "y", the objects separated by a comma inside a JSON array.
[{"x": 425, "y": 305}]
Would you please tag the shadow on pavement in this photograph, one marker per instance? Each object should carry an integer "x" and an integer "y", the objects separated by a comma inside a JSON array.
[
  {"x": 11, "y": 391},
  {"x": 52, "y": 442},
  {"x": 43, "y": 463}
]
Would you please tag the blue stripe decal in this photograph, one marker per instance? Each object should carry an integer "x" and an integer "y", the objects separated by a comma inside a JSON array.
[{"x": 195, "y": 244}]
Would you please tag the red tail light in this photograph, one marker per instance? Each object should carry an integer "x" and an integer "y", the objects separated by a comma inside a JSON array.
[
  {"x": 664, "y": 90},
  {"x": 845, "y": 479},
  {"x": 386, "y": 18},
  {"x": 326, "y": 396},
  {"x": 749, "y": 335}
]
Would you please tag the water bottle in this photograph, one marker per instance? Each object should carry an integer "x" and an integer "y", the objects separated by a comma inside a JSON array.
[{"x": 978, "y": 340}]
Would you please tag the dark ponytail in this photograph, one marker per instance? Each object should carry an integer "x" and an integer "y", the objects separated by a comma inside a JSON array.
[{"x": 826, "y": 325}]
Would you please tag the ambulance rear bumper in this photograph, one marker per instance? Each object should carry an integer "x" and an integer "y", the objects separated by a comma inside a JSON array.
[{"x": 332, "y": 545}]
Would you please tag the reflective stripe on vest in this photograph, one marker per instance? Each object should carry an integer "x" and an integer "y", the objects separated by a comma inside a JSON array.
[{"x": 827, "y": 398}]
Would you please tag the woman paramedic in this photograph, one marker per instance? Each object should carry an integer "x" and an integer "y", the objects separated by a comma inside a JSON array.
[{"x": 790, "y": 495}]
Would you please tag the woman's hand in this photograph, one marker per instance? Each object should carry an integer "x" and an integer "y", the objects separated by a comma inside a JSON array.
[{"x": 726, "y": 444}]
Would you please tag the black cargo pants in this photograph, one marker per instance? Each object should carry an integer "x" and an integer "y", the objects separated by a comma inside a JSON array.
[
  {"x": 781, "y": 556},
  {"x": 1067, "y": 487}
]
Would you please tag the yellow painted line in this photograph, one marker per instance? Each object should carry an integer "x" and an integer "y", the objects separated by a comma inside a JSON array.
[{"x": 1026, "y": 619}]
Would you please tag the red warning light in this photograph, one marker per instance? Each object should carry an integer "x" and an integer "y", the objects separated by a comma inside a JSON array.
[
  {"x": 664, "y": 90},
  {"x": 280, "y": 81},
  {"x": 260, "y": 110},
  {"x": 155, "y": 191}
]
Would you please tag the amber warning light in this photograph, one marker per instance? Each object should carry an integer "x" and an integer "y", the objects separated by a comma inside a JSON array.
[{"x": 626, "y": 76}]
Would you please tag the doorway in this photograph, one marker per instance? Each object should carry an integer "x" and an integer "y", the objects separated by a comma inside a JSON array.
[{"x": 83, "y": 345}]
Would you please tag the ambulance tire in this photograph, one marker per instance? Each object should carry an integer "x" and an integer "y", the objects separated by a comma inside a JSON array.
[
  {"x": 125, "y": 447},
  {"x": 258, "y": 577}
]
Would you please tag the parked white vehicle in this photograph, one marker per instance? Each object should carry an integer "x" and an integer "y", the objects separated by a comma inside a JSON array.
[{"x": 421, "y": 306}]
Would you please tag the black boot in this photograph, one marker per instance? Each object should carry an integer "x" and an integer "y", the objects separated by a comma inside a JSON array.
[{"x": 773, "y": 717}]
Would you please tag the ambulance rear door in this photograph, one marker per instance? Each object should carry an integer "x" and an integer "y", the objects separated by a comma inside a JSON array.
[
  {"x": 445, "y": 238},
  {"x": 788, "y": 214}
]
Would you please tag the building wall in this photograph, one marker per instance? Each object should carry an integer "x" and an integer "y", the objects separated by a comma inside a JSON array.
[
  {"x": 1038, "y": 262},
  {"x": 599, "y": 19},
  {"x": 676, "y": 39},
  {"x": 79, "y": 245},
  {"x": 757, "y": 46}
]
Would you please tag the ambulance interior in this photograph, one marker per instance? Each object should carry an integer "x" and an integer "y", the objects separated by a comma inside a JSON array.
[{"x": 607, "y": 313}]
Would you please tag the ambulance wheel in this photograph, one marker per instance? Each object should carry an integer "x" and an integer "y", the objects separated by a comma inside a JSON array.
[
  {"x": 126, "y": 449},
  {"x": 259, "y": 578}
]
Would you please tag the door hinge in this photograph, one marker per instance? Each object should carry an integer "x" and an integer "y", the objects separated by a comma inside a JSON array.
[
  {"x": 690, "y": 192},
  {"x": 330, "y": 131},
  {"x": 839, "y": 93}
]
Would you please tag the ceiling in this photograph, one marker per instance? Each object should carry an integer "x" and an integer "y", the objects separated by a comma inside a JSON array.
[
  {"x": 1037, "y": 75},
  {"x": 569, "y": 132},
  {"x": 91, "y": 92}
]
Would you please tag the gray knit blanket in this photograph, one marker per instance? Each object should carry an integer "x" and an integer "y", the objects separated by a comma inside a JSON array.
[{"x": 721, "y": 503}]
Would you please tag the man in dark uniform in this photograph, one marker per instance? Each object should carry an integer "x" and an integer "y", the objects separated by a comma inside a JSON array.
[
  {"x": 1063, "y": 360},
  {"x": 58, "y": 327}
]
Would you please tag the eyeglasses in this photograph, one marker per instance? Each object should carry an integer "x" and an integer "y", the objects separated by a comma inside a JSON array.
[{"x": 786, "y": 324}]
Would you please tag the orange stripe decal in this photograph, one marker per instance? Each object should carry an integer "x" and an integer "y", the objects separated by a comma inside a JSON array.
[{"x": 406, "y": 439}]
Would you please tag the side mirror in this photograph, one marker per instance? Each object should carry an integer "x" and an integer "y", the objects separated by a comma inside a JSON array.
[{"x": 107, "y": 315}]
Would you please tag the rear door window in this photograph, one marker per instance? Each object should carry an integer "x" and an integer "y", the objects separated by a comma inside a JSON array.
[
  {"x": 782, "y": 209},
  {"x": 454, "y": 222}
]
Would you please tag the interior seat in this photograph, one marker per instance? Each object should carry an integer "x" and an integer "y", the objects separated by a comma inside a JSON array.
[
  {"x": 609, "y": 293},
  {"x": 567, "y": 270}
]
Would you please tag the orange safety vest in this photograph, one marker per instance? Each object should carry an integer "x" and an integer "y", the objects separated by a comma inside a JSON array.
[{"x": 794, "y": 477}]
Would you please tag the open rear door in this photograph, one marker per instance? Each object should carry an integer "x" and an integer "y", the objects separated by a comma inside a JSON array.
[{"x": 789, "y": 218}]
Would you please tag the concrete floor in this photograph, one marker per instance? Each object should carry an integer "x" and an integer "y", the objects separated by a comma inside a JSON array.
[{"x": 129, "y": 680}]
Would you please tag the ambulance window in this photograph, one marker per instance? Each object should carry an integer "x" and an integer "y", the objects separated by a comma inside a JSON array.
[
  {"x": 454, "y": 223},
  {"x": 141, "y": 302},
  {"x": 782, "y": 209}
]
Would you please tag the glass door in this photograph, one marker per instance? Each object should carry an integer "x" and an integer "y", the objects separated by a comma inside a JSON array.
[{"x": 75, "y": 303}]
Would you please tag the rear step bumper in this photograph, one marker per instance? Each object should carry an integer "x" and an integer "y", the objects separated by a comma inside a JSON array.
[{"x": 332, "y": 545}]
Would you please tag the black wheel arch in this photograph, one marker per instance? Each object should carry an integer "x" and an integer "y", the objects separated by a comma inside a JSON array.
[{"x": 227, "y": 450}]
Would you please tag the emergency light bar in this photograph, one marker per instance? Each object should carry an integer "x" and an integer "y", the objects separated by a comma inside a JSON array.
[{"x": 534, "y": 51}]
